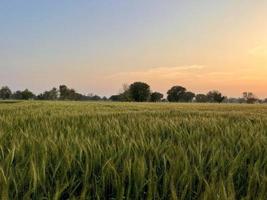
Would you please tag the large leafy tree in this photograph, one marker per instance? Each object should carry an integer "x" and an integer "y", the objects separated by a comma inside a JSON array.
[
  {"x": 49, "y": 95},
  {"x": 176, "y": 93},
  {"x": 27, "y": 94},
  {"x": 68, "y": 94},
  {"x": 215, "y": 96},
  {"x": 139, "y": 91},
  {"x": 17, "y": 95},
  {"x": 187, "y": 97},
  {"x": 63, "y": 90},
  {"x": 5, "y": 93},
  {"x": 156, "y": 97}
]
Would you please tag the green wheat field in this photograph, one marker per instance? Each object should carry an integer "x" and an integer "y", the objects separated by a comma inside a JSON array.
[{"x": 81, "y": 150}]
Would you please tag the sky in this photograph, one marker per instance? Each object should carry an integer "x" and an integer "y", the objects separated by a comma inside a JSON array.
[{"x": 96, "y": 46}]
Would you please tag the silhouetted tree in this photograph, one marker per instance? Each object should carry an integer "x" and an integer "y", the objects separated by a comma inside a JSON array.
[
  {"x": 68, "y": 94},
  {"x": 95, "y": 98},
  {"x": 64, "y": 92},
  {"x": 5, "y": 93},
  {"x": 187, "y": 97},
  {"x": 115, "y": 97},
  {"x": 17, "y": 95},
  {"x": 27, "y": 94},
  {"x": 125, "y": 94},
  {"x": 104, "y": 98},
  {"x": 156, "y": 97},
  {"x": 201, "y": 98},
  {"x": 215, "y": 96},
  {"x": 176, "y": 93},
  {"x": 249, "y": 97},
  {"x": 139, "y": 91},
  {"x": 49, "y": 95}
]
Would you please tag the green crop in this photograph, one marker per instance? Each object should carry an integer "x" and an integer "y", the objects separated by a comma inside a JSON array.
[{"x": 80, "y": 150}]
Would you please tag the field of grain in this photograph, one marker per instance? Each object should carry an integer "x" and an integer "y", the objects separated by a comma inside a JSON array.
[{"x": 80, "y": 150}]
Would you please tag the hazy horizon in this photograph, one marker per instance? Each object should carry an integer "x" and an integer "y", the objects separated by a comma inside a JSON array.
[{"x": 96, "y": 46}]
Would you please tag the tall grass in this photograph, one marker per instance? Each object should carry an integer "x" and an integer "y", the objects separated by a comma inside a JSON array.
[{"x": 69, "y": 150}]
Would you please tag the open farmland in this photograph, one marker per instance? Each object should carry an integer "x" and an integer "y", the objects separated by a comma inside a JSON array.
[{"x": 79, "y": 150}]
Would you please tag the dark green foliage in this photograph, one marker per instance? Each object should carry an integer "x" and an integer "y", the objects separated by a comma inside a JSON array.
[
  {"x": 5, "y": 93},
  {"x": 215, "y": 96},
  {"x": 27, "y": 94},
  {"x": 115, "y": 97},
  {"x": 17, "y": 95},
  {"x": 156, "y": 97},
  {"x": 179, "y": 94},
  {"x": 70, "y": 94},
  {"x": 187, "y": 97},
  {"x": 23, "y": 95},
  {"x": 175, "y": 93},
  {"x": 139, "y": 91},
  {"x": 201, "y": 98},
  {"x": 49, "y": 95}
]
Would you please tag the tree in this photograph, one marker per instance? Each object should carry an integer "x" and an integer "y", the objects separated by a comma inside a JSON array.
[
  {"x": 156, "y": 97},
  {"x": 139, "y": 91},
  {"x": 27, "y": 94},
  {"x": 215, "y": 96},
  {"x": 125, "y": 94},
  {"x": 249, "y": 97},
  {"x": 49, "y": 95},
  {"x": 52, "y": 94},
  {"x": 175, "y": 93},
  {"x": 5, "y": 93},
  {"x": 63, "y": 91},
  {"x": 95, "y": 98},
  {"x": 69, "y": 94},
  {"x": 104, "y": 98},
  {"x": 187, "y": 97},
  {"x": 17, "y": 95},
  {"x": 201, "y": 98},
  {"x": 115, "y": 97}
]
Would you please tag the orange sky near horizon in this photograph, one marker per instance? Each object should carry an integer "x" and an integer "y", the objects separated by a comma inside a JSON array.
[{"x": 96, "y": 46}]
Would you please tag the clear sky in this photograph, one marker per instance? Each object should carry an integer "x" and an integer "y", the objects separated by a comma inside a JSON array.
[{"x": 97, "y": 45}]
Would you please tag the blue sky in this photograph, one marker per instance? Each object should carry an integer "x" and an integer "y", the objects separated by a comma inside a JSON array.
[{"x": 96, "y": 46}]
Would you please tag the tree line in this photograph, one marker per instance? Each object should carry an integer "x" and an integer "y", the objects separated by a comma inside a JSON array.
[
  {"x": 61, "y": 93},
  {"x": 141, "y": 92},
  {"x": 136, "y": 92}
]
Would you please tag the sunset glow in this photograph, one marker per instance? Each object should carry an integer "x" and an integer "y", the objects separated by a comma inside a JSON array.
[{"x": 96, "y": 46}]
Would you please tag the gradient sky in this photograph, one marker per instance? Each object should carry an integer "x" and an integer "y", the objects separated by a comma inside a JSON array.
[{"x": 95, "y": 46}]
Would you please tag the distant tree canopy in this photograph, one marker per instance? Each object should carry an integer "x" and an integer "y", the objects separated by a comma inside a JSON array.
[
  {"x": 23, "y": 95},
  {"x": 115, "y": 97},
  {"x": 175, "y": 93},
  {"x": 187, "y": 97},
  {"x": 201, "y": 98},
  {"x": 27, "y": 94},
  {"x": 63, "y": 93},
  {"x": 249, "y": 97},
  {"x": 5, "y": 93},
  {"x": 215, "y": 97},
  {"x": 179, "y": 94},
  {"x": 66, "y": 93},
  {"x": 156, "y": 97},
  {"x": 49, "y": 95},
  {"x": 139, "y": 91}
]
